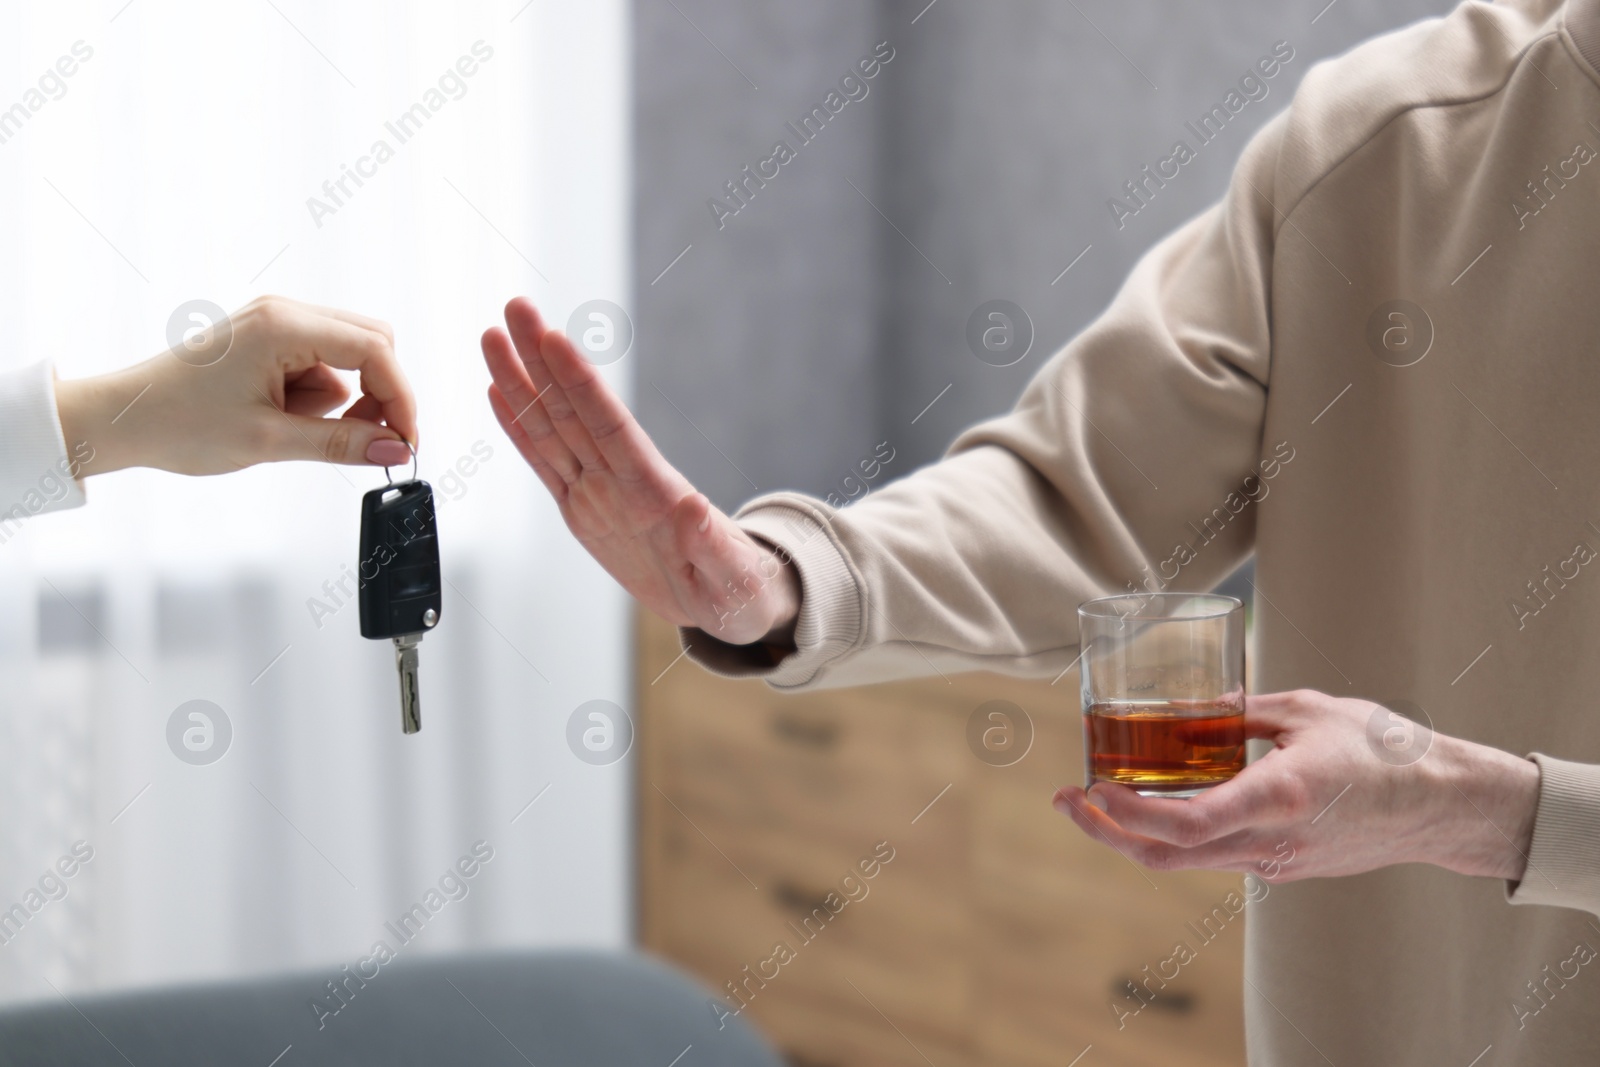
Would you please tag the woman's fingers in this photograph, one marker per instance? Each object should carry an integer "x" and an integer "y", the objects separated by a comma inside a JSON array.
[
  {"x": 523, "y": 407},
  {"x": 355, "y": 318},
  {"x": 345, "y": 441},
  {"x": 301, "y": 331},
  {"x": 315, "y": 391},
  {"x": 388, "y": 453},
  {"x": 365, "y": 407}
]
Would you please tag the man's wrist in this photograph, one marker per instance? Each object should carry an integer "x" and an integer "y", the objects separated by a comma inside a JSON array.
[
  {"x": 1493, "y": 799},
  {"x": 785, "y": 590}
]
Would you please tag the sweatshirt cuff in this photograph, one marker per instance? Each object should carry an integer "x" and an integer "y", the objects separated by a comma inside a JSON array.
[
  {"x": 1564, "y": 861},
  {"x": 36, "y": 474},
  {"x": 832, "y": 598}
]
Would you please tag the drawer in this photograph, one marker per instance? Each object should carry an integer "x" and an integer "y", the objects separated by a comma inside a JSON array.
[
  {"x": 837, "y": 769},
  {"x": 877, "y": 730},
  {"x": 1066, "y": 923},
  {"x": 1052, "y": 974},
  {"x": 844, "y": 1033},
  {"x": 724, "y": 904}
]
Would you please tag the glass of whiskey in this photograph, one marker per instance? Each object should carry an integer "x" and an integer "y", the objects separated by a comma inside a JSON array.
[{"x": 1163, "y": 691}]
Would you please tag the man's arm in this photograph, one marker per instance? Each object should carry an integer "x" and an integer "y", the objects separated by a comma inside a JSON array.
[
  {"x": 1146, "y": 423},
  {"x": 1143, "y": 428}
]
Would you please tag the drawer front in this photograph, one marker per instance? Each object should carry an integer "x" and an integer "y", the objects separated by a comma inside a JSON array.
[
  {"x": 729, "y": 902},
  {"x": 1059, "y": 977},
  {"x": 852, "y": 1033},
  {"x": 821, "y": 766}
]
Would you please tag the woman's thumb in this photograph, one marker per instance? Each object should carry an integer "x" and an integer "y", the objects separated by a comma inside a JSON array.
[{"x": 345, "y": 440}]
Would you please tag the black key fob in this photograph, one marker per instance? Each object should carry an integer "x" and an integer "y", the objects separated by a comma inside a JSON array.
[{"x": 400, "y": 587}]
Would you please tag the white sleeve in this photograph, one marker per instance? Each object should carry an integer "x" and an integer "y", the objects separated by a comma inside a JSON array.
[{"x": 36, "y": 472}]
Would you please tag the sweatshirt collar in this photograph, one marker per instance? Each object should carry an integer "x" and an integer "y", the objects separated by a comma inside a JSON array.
[{"x": 1582, "y": 19}]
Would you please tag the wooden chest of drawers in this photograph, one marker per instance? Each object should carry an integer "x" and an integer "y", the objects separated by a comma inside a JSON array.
[{"x": 996, "y": 934}]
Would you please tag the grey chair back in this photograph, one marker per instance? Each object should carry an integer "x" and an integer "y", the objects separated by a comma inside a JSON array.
[{"x": 547, "y": 1009}]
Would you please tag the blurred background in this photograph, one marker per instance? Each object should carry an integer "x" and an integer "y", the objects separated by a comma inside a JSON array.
[
  {"x": 778, "y": 331},
  {"x": 177, "y": 165}
]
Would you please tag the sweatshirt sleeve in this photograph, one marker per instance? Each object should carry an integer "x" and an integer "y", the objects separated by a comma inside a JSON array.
[
  {"x": 1564, "y": 860},
  {"x": 1147, "y": 423},
  {"x": 36, "y": 474}
]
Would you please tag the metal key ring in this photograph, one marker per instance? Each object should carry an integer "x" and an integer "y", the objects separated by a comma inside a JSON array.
[{"x": 414, "y": 464}]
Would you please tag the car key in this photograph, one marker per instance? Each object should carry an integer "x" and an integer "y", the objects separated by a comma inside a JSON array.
[{"x": 400, "y": 588}]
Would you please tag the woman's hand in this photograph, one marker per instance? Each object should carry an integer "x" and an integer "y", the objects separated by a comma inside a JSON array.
[
  {"x": 252, "y": 395},
  {"x": 1350, "y": 787},
  {"x": 644, "y": 522}
]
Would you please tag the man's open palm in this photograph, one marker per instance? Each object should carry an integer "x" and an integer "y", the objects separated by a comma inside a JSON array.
[{"x": 682, "y": 558}]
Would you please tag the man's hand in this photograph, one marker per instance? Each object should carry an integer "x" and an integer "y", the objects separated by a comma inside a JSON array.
[
  {"x": 644, "y": 522},
  {"x": 255, "y": 391},
  {"x": 1342, "y": 801}
]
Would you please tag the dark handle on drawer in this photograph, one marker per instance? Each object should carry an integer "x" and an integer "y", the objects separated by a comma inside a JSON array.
[
  {"x": 818, "y": 735},
  {"x": 795, "y": 898},
  {"x": 1172, "y": 1001}
]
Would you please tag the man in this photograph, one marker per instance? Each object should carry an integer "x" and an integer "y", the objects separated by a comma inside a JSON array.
[{"x": 1393, "y": 311}]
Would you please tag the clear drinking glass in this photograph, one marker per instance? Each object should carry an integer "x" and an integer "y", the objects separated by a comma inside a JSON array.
[{"x": 1163, "y": 691}]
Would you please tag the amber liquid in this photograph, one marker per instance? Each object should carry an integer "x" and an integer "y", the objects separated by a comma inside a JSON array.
[{"x": 1164, "y": 747}]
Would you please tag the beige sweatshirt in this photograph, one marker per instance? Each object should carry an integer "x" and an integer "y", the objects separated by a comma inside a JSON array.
[{"x": 1418, "y": 481}]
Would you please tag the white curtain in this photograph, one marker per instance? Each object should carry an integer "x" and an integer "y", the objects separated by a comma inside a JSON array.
[{"x": 176, "y": 162}]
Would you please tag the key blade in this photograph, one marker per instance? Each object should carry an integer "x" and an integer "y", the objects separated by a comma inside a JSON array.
[{"x": 405, "y": 658}]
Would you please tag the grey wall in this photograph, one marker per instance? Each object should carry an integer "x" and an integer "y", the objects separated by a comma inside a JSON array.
[{"x": 821, "y": 319}]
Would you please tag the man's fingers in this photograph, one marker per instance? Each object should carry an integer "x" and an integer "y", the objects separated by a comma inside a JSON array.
[
  {"x": 715, "y": 545},
  {"x": 692, "y": 586},
  {"x": 522, "y": 408},
  {"x": 1262, "y": 793},
  {"x": 1074, "y": 803},
  {"x": 524, "y": 321},
  {"x": 700, "y": 579},
  {"x": 1179, "y": 822},
  {"x": 525, "y": 446},
  {"x": 628, "y": 451},
  {"x": 722, "y": 571},
  {"x": 1271, "y": 714},
  {"x": 701, "y": 539},
  {"x": 1239, "y": 851},
  {"x": 528, "y": 334}
]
